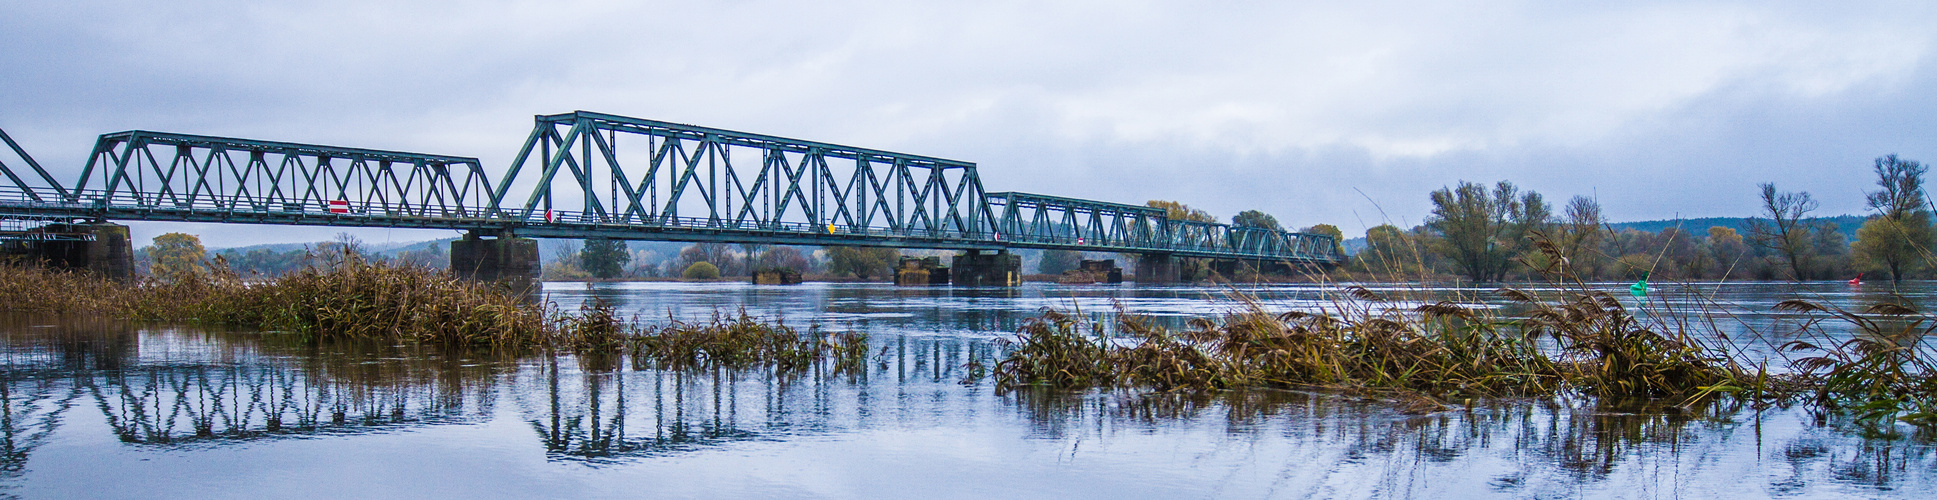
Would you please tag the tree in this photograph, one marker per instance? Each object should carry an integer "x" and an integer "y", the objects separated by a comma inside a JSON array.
[
  {"x": 176, "y": 256},
  {"x": 1677, "y": 247},
  {"x": 1783, "y": 232},
  {"x": 701, "y": 271},
  {"x": 1179, "y": 211},
  {"x": 605, "y": 258},
  {"x": 1256, "y": 219},
  {"x": 566, "y": 264},
  {"x": 1829, "y": 250},
  {"x": 431, "y": 256},
  {"x": 1057, "y": 261},
  {"x": 1338, "y": 237},
  {"x": 1481, "y": 233},
  {"x": 1726, "y": 247},
  {"x": 862, "y": 262},
  {"x": 1899, "y": 236},
  {"x": 781, "y": 258},
  {"x": 718, "y": 254},
  {"x": 344, "y": 246},
  {"x": 1388, "y": 249},
  {"x": 1579, "y": 238}
]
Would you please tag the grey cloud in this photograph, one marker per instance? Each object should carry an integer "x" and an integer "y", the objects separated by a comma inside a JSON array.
[{"x": 1659, "y": 108}]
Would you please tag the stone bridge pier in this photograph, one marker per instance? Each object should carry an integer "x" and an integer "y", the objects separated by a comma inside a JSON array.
[
  {"x": 101, "y": 247},
  {"x": 503, "y": 259},
  {"x": 1157, "y": 268},
  {"x": 976, "y": 268}
]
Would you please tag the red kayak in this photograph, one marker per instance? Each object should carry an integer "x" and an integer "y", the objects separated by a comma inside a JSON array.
[{"x": 1858, "y": 280}]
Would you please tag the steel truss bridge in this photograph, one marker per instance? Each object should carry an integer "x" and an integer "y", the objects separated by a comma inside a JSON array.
[{"x": 573, "y": 179}]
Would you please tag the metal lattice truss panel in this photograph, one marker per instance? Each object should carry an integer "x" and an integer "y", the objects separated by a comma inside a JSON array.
[
  {"x": 162, "y": 176},
  {"x": 20, "y": 188},
  {"x": 1043, "y": 221},
  {"x": 678, "y": 181}
]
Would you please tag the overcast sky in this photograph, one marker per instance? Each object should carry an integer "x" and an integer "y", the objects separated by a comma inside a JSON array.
[{"x": 1346, "y": 113}]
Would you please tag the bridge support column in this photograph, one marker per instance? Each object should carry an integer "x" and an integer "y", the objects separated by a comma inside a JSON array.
[
  {"x": 986, "y": 269},
  {"x": 100, "y": 247},
  {"x": 1157, "y": 268},
  {"x": 1226, "y": 270},
  {"x": 506, "y": 260},
  {"x": 921, "y": 271}
]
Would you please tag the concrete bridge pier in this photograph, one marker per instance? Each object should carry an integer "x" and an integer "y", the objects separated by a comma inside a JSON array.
[
  {"x": 1226, "y": 269},
  {"x": 1157, "y": 268},
  {"x": 100, "y": 247},
  {"x": 921, "y": 271},
  {"x": 504, "y": 259},
  {"x": 976, "y": 268}
]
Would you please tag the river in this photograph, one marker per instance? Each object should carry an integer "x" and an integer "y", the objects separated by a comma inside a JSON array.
[{"x": 106, "y": 409}]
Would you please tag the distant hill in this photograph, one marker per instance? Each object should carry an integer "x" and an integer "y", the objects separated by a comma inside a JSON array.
[{"x": 1847, "y": 224}]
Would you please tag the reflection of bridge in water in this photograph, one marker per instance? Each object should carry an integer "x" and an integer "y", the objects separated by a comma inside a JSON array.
[
  {"x": 598, "y": 415},
  {"x": 241, "y": 388},
  {"x": 168, "y": 391},
  {"x": 168, "y": 402}
]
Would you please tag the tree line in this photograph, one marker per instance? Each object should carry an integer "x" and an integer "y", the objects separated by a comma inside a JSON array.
[{"x": 1496, "y": 233}]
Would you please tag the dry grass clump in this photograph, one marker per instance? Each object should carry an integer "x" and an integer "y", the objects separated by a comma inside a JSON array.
[
  {"x": 1606, "y": 351},
  {"x": 358, "y": 299},
  {"x": 344, "y": 297},
  {"x": 1882, "y": 374},
  {"x": 338, "y": 297},
  {"x": 596, "y": 328},
  {"x": 744, "y": 342},
  {"x": 35, "y": 288},
  {"x": 1440, "y": 350}
]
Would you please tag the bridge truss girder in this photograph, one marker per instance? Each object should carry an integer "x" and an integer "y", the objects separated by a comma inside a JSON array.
[
  {"x": 29, "y": 191},
  {"x": 1043, "y": 221},
  {"x": 687, "y": 180},
  {"x": 220, "y": 179},
  {"x": 683, "y": 186}
]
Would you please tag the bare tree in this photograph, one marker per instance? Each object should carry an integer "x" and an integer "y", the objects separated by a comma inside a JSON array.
[
  {"x": 1783, "y": 231},
  {"x": 1482, "y": 232},
  {"x": 1581, "y": 236}
]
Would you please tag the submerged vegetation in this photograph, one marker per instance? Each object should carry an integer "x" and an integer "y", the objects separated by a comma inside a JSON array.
[
  {"x": 1571, "y": 341},
  {"x": 1588, "y": 344}
]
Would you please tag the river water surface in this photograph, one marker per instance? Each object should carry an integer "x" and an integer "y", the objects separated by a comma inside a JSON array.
[{"x": 103, "y": 409}]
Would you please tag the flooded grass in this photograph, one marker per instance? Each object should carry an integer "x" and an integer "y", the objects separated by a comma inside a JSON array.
[
  {"x": 1574, "y": 343},
  {"x": 1881, "y": 375},
  {"x": 1443, "y": 351},
  {"x": 744, "y": 342},
  {"x": 337, "y": 298},
  {"x": 345, "y": 298}
]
